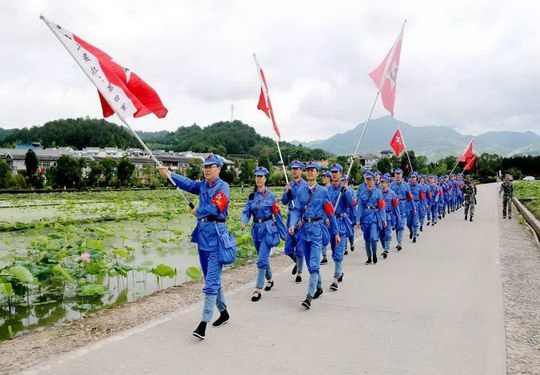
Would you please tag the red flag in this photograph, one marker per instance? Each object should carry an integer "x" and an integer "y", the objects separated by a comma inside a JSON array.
[
  {"x": 385, "y": 75},
  {"x": 397, "y": 143},
  {"x": 471, "y": 162},
  {"x": 120, "y": 90},
  {"x": 467, "y": 154},
  {"x": 264, "y": 103}
]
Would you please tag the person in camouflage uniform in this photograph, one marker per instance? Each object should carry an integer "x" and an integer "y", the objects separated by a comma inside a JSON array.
[
  {"x": 469, "y": 194},
  {"x": 507, "y": 191}
]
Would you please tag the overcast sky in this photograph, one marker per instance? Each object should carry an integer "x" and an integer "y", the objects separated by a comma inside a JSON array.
[{"x": 472, "y": 65}]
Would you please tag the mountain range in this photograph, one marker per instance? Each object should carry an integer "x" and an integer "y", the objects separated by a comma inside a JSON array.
[{"x": 435, "y": 142}]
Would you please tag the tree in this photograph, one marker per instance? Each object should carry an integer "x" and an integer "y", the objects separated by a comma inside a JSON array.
[
  {"x": 515, "y": 173},
  {"x": 489, "y": 164},
  {"x": 6, "y": 178},
  {"x": 93, "y": 177},
  {"x": 247, "y": 168},
  {"x": 264, "y": 161},
  {"x": 125, "y": 171},
  {"x": 194, "y": 170},
  {"x": 31, "y": 164},
  {"x": 108, "y": 166},
  {"x": 227, "y": 174},
  {"x": 68, "y": 173},
  {"x": 384, "y": 166}
]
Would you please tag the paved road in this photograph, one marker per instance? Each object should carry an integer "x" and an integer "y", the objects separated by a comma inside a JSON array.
[{"x": 434, "y": 308}]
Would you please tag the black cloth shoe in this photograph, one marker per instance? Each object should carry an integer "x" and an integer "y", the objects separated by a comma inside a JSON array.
[
  {"x": 470, "y": 219},
  {"x": 334, "y": 286},
  {"x": 269, "y": 287},
  {"x": 256, "y": 296},
  {"x": 352, "y": 248},
  {"x": 465, "y": 216},
  {"x": 368, "y": 261},
  {"x": 509, "y": 217},
  {"x": 374, "y": 258},
  {"x": 346, "y": 252},
  {"x": 294, "y": 269},
  {"x": 200, "y": 331},
  {"x": 422, "y": 228},
  {"x": 298, "y": 279},
  {"x": 341, "y": 277},
  {"x": 324, "y": 260},
  {"x": 223, "y": 319},
  {"x": 318, "y": 293},
  {"x": 399, "y": 248},
  {"x": 384, "y": 254},
  {"x": 428, "y": 223},
  {"x": 307, "y": 303},
  {"x": 414, "y": 240},
  {"x": 410, "y": 235}
]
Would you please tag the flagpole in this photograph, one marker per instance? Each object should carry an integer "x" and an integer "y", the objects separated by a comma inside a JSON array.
[
  {"x": 406, "y": 150},
  {"x": 275, "y": 138},
  {"x": 358, "y": 144},
  {"x": 112, "y": 106},
  {"x": 457, "y": 161},
  {"x": 191, "y": 205}
]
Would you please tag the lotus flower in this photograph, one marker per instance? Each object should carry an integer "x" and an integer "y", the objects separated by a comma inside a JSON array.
[{"x": 85, "y": 257}]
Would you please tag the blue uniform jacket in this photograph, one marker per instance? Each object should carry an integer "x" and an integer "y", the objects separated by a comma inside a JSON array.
[
  {"x": 371, "y": 207},
  {"x": 267, "y": 221},
  {"x": 213, "y": 203},
  {"x": 310, "y": 204},
  {"x": 287, "y": 200},
  {"x": 346, "y": 200},
  {"x": 404, "y": 195},
  {"x": 393, "y": 216}
]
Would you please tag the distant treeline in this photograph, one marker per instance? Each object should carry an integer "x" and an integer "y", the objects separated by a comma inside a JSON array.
[{"x": 224, "y": 138}]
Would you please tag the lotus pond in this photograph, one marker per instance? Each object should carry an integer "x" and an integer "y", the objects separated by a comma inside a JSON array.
[{"x": 64, "y": 255}]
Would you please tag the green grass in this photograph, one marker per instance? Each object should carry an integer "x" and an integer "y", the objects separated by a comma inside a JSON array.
[{"x": 529, "y": 194}]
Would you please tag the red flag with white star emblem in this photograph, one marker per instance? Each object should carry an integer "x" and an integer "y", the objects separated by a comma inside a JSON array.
[
  {"x": 120, "y": 90},
  {"x": 397, "y": 143},
  {"x": 264, "y": 103},
  {"x": 385, "y": 75}
]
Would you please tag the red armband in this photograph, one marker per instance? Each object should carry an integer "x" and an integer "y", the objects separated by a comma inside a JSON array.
[
  {"x": 422, "y": 196},
  {"x": 354, "y": 202},
  {"x": 409, "y": 197},
  {"x": 275, "y": 208},
  {"x": 220, "y": 201},
  {"x": 395, "y": 202},
  {"x": 328, "y": 208},
  {"x": 382, "y": 204},
  {"x": 429, "y": 195}
]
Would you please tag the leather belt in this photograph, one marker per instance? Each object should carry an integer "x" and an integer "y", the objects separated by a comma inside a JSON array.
[
  {"x": 212, "y": 219},
  {"x": 258, "y": 221},
  {"x": 312, "y": 219}
]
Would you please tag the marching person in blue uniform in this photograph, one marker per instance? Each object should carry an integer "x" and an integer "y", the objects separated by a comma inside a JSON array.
[
  {"x": 293, "y": 248},
  {"x": 351, "y": 212},
  {"x": 406, "y": 204},
  {"x": 339, "y": 190},
  {"x": 413, "y": 215},
  {"x": 370, "y": 216},
  {"x": 211, "y": 216},
  {"x": 453, "y": 193},
  {"x": 311, "y": 204},
  {"x": 433, "y": 196},
  {"x": 267, "y": 229},
  {"x": 326, "y": 182},
  {"x": 423, "y": 213},
  {"x": 393, "y": 216}
]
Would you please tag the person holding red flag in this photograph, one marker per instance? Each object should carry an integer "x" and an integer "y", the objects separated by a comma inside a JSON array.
[{"x": 211, "y": 215}]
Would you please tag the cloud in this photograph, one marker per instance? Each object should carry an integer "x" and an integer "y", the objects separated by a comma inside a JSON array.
[{"x": 468, "y": 65}]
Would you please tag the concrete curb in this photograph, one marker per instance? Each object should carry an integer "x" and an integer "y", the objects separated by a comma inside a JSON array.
[{"x": 529, "y": 217}]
